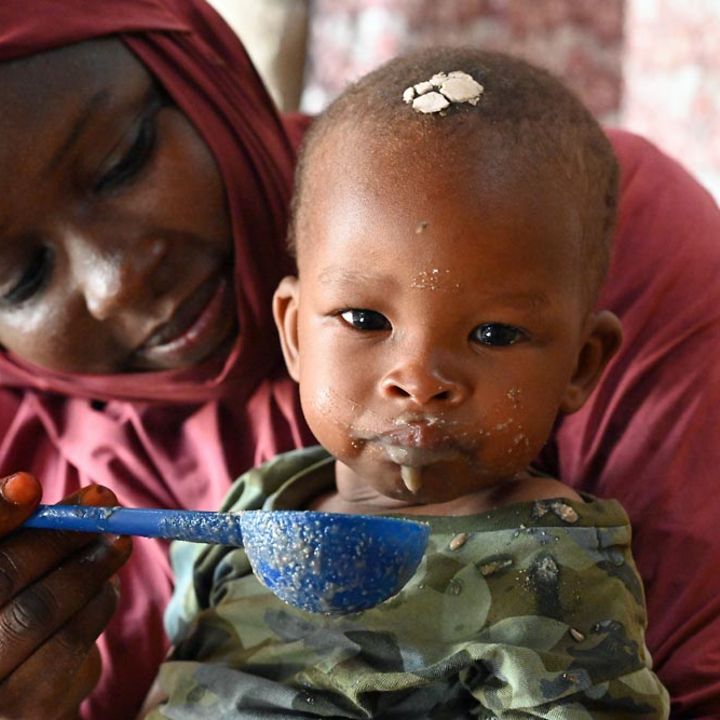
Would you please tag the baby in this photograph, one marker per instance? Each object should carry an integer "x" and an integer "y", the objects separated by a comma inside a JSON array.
[{"x": 451, "y": 223}]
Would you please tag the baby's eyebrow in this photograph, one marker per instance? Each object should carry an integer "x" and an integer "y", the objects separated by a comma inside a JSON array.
[
  {"x": 97, "y": 101},
  {"x": 533, "y": 300},
  {"x": 333, "y": 275}
]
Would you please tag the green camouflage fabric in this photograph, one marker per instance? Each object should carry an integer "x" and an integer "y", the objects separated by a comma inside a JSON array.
[{"x": 533, "y": 610}]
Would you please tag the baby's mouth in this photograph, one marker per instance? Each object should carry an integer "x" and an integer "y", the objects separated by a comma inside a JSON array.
[{"x": 412, "y": 460}]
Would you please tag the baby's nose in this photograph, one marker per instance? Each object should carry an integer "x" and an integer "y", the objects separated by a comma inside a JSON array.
[{"x": 423, "y": 385}]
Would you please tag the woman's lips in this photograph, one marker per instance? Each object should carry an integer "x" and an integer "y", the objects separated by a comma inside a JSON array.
[{"x": 199, "y": 326}]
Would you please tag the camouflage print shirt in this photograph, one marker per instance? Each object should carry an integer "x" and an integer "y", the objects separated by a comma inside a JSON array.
[{"x": 532, "y": 610}]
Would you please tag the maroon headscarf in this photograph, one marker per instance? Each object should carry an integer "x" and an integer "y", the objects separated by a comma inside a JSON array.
[
  {"x": 650, "y": 434},
  {"x": 174, "y": 438},
  {"x": 203, "y": 67}
]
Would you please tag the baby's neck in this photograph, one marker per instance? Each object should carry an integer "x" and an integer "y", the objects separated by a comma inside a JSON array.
[{"x": 333, "y": 501}]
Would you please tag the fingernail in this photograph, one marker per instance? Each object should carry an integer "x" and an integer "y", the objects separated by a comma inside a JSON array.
[
  {"x": 97, "y": 552},
  {"x": 19, "y": 489},
  {"x": 115, "y": 584},
  {"x": 94, "y": 494}
]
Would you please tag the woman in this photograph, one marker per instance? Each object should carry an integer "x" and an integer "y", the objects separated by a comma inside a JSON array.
[
  {"x": 141, "y": 219},
  {"x": 130, "y": 243}
]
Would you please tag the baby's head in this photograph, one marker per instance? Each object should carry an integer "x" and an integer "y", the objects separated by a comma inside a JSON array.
[
  {"x": 525, "y": 127},
  {"x": 448, "y": 267}
]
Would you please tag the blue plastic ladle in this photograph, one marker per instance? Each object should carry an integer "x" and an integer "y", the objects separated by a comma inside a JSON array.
[{"x": 316, "y": 561}]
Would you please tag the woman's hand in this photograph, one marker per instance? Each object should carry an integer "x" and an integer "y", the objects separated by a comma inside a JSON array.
[{"x": 57, "y": 593}]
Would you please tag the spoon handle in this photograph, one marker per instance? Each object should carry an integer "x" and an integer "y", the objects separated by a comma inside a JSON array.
[{"x": 193, "y": 525}]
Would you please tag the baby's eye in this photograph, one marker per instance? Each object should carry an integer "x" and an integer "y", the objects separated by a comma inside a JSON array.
[
  {"x": 497, "y": 334},
  {"x": 33, "y": 279},
  {"x": 365, "y": 319}
]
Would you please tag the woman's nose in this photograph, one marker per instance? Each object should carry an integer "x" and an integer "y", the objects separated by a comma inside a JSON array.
[
  {"x": 114, "y": 282},
  {"x": 424, "y": 383}
]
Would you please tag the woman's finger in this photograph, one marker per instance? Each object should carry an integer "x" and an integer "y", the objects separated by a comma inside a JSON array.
[
  {"x": 62, "y": 672},
  {"x": 19, "y": 496},
  {"x": 55, "y": 600},
  {"x": 38, "y": 610},
  {"x": 28, "y": 555}
]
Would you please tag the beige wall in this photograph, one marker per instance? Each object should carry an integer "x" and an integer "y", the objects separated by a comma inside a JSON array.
[
  {"x": 672, "y": 81},
  {"x": 275, "y": 34}
]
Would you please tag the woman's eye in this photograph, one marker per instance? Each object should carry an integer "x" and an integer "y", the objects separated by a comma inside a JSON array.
[
  {"x": 365, "y": 320},
  {"x": 138, "y": 151},
  {"x": 33, "y": 279},
  {"x": 497, "y": 334},
  {"x": 133, "y": 160}
]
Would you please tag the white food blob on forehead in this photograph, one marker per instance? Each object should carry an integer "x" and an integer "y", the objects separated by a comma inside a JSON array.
[{"x": 442, "y": 90}]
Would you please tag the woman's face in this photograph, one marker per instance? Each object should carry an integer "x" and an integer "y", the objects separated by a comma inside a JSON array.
[{"x": 115, "y": 241}]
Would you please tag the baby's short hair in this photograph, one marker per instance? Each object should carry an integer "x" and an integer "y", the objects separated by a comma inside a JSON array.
[{"x": 530, "y": 109}]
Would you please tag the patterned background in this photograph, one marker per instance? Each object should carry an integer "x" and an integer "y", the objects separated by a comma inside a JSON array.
[
  {"x": 580, "y": 40},
  {"x": 672, "y": 80},
  {"x": 652, "y": 66}
]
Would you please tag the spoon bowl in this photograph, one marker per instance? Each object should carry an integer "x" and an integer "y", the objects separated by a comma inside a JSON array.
[
  {"x": 331, "y": 562},
  {"x": 319, "y": 562}
]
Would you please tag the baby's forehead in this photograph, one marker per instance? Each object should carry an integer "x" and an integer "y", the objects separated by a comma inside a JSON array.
[
  {"x": 443, "y": 147},
  {"x": 366, "y": 184},
  {"x": 472, "y": 165},
  {"x": 409, "y": 182}
]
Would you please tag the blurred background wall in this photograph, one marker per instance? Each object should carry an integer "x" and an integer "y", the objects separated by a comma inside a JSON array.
[
  {"x": 652, "y": 66},
  {"x": 671, "y": 72}
]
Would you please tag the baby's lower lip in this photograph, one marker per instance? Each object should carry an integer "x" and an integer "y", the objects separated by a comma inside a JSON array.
[
  {"x": 418, "y": 456},
  {"x": 421, "y": 435}
]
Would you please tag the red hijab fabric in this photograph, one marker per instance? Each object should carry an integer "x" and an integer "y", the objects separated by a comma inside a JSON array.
[
  {"x": 175, "y": 438},
  {"x": 650, "y": 434}
]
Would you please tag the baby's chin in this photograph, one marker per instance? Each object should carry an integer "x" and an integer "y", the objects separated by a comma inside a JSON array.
[
  {"x": 378, "y": 499},
  {"x": 371, "y": 488},
  {"x": 357, "y": 494}
]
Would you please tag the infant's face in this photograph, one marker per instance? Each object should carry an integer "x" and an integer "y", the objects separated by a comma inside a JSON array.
[
  {"x": 439, "y": 324},
  {"x": 115, "y": 246}
]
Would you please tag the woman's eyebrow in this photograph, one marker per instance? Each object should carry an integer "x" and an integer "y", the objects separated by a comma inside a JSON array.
[{"x": 95, "y": 103}]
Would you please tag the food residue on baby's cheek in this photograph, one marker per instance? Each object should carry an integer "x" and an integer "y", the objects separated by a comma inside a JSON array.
[
  {"x": 520, "y": 444},
  {"x": 514, "y": 394},
  {"x": 421, "y": 227},
  {"x": 503, "y": 426},
  {"x": 329, "y": 403},
  {"x": 520, "y": 441},
  {"x": 323, "y": 402}
]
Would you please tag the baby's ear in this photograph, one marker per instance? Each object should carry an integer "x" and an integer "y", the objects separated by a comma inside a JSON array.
[
  {"x": 285, "y": 312},
  {"x": 603, "y": 335}
]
